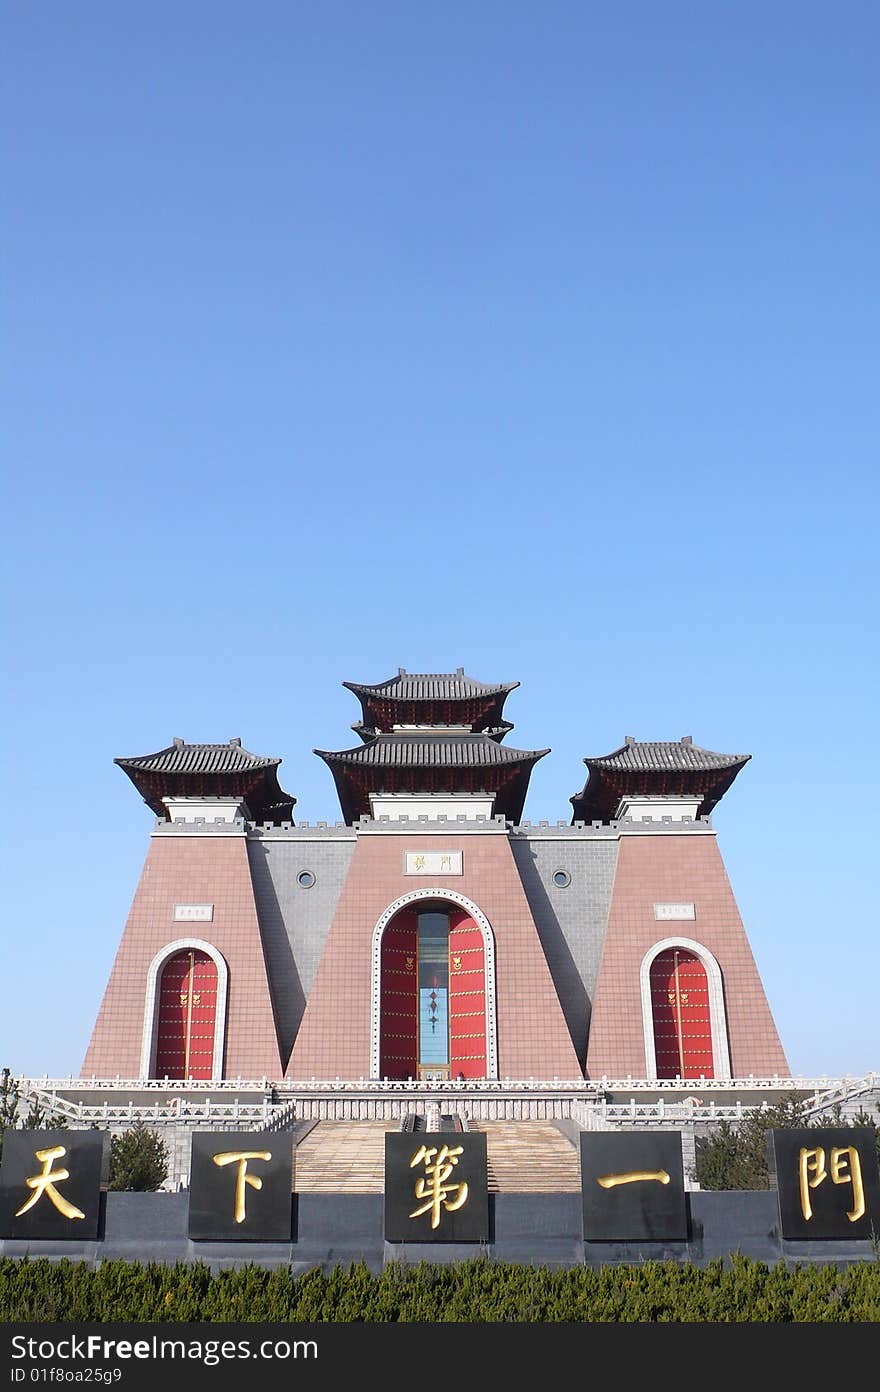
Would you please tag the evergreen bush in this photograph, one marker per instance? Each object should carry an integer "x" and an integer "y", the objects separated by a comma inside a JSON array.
[
  {"x": 138, "y": 1160},
  {"x": 479, "y": 1291}
]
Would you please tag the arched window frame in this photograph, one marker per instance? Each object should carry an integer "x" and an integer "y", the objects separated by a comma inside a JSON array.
[
  {"x": 449, "y": 896},
  {"x": 151, "y": 1007},
  {"x": 717, "y": 1012}
]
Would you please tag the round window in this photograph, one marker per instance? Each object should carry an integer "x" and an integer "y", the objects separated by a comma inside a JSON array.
[
  {"x": 305, "y": 879},
  {"x": 561, "y": 879}
]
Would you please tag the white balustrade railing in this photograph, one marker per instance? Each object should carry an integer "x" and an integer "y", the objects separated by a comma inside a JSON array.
[
  {"x": 584, "y": 1086},
  {"x": 594, "y": 1104}
]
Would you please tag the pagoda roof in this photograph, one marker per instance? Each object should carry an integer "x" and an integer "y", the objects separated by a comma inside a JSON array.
[
  {"x": 430, "y": 686},
  {"x": 427, "y": 749},
  {"x": 431, "y": 699},
  {"x": 655, "y": 768},
  {"x": 664, "y": 756},
  {"x": 181, "y": 757},
  {"x": 431, "y": 733},
  {"x": 427, "y": 761},
  {"x": 210, "y": 770}
]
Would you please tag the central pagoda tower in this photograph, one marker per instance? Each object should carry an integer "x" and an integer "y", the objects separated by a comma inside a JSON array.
[
  {"x": 433, "y": 940},
  {"x": 432, "y": 745}
]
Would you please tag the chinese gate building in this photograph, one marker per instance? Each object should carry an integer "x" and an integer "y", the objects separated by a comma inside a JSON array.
[{"x": 433, "y": 934}]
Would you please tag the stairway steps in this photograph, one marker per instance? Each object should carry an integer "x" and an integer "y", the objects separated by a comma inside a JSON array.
[
  {"x": 339, "y": 1157},
  {"x": 342, "y": 1157},
  {"x": 529, "y": 1158}
]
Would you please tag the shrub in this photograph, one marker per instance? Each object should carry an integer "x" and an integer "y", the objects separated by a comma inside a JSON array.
[
  {"x": 735, "y": 1157},
  {"x": 138, "y": 1160},
  {"x": 477, "y": 1291}
]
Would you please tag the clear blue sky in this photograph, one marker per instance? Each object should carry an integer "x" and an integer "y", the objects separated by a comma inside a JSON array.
[{"x": 536, "y": 338}]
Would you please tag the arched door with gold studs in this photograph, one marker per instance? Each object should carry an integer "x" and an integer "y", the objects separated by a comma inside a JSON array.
[
  {"x": 432, "y": 999},
  {"x": 187, "y": 1016},
  {"x": 682, "y": 1020}
]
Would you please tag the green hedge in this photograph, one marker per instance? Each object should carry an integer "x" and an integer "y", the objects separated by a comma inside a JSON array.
[{"x": 738, "y": 1289}]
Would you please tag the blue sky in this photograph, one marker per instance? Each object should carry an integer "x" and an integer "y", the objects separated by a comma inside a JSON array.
[{"x": 537, "y": 339}]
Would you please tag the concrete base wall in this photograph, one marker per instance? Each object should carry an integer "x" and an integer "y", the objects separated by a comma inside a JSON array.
[{"x": 537, "y": 1229}]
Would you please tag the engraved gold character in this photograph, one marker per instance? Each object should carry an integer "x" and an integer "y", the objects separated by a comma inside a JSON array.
[
  {"x": 241, "y": 1158},
  {"x": 445, "y": 863},
  {"x": 844, "y": 1167},
  {"x": 432, "y": 1186},
  {"x": 419, "y": 862},
  {"x": 45, "y": 1184},
  {"x": 610, "y": 1181}
]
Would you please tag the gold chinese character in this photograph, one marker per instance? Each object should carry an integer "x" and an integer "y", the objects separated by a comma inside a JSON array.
[
  {"x": 609, "y": 1181},
  {"x": 433, "y": 1187},
  {"x": 241, "y": 1158},
  {"x": 445, "y": 863},
  {"x": 845, "y": 1168},
  {"x": 419, "y": 862},
  {"x": 45, "y": 1184}
]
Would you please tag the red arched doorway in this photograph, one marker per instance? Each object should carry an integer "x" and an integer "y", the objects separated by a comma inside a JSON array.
[
  {"x": 682, "y": 1022},
  {"x": 187, "y": 1016},
  {"x": 432, "y": 1005}
]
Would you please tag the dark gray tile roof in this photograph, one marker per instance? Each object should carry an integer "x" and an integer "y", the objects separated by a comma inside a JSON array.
[
  {"x": 656, "y": 768},
  {"x": 180, "y": 757},
  {"x": 430, "y": 686},
  {"x": 664, "y": 756},
  {"x": 411, "y": 750}
]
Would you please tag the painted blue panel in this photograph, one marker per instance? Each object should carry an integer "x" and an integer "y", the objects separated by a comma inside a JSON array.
[{"x": 433, "y": 1025}]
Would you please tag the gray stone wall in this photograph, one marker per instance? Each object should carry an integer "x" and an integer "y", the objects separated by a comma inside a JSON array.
[
  {"x": 541, "y": 1229},
  {"x": 570, "y": 920},
  {"x": 295, "y": 921}
]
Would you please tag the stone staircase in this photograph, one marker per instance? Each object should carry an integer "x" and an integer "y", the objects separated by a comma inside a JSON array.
[
  {"x": 348, "y": 1157},
  {"x": 529, "y": 1157},
  {"x": 342, "y": 1157}
]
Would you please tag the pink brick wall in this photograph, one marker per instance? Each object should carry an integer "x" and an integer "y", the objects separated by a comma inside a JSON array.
[
  {"x": 334, "y": 1037},
  {"x": 190, "y": 870},
  {"x": 674, "y": 869}
]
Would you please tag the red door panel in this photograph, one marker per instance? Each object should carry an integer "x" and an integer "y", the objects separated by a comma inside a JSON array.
[
  {"x": 187, "y": 1016},
  {"x": 467, "y": 997},
  {"x": 682, "y": 1022},
  {"x": 399, "y": 998}
]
